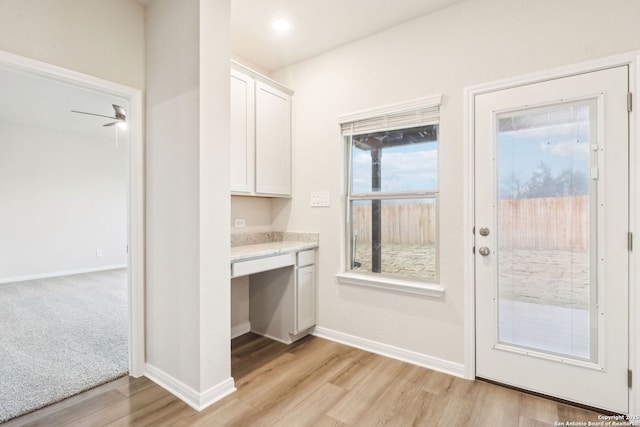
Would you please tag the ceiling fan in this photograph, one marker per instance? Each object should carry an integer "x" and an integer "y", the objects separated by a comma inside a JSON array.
[{"x": 120, "y": 115}]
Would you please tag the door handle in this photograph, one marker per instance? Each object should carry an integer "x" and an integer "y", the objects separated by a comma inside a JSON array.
[{"x": 484, "y": 251}]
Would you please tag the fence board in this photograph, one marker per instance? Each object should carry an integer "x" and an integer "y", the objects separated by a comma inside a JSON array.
[
  {"x": 542, "y": 223},
  {"x": 407, "y": 224}
]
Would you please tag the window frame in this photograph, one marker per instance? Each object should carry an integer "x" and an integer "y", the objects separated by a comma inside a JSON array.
[{"x": 429, "y": 287}]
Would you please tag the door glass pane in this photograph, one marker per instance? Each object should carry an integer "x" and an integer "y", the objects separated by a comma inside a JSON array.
[{"x": 546, "y": 274}]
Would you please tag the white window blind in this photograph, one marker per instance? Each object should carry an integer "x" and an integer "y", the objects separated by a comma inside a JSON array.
[{"x": 420, "y": 112}]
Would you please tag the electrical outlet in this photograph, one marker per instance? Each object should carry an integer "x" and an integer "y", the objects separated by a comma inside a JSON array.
[
  {"x": 98, "y": 252},
  {"x": 239, "y": 223}
]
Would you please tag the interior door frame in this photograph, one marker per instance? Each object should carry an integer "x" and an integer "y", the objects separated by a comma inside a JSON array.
[
  {"x": 135, "y": 197},
  {"x": 632, "y": 60}
]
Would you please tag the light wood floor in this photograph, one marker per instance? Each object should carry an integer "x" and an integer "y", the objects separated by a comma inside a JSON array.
[{"x": 313, "y": 382}]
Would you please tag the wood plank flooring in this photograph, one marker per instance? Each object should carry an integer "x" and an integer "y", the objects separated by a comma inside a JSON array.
[{"x": 313, "y": 382}]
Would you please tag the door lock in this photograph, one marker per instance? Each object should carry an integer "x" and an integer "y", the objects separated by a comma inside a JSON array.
[
  {"x": 484, "y": 251},
  {"x": 484, "y": 231}
]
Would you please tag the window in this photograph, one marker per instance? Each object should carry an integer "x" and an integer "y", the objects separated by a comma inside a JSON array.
[{"x": 392, "y": 193}]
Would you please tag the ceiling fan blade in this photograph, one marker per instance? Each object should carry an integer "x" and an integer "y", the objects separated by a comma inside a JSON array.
[{"x": 93, "y": 114}]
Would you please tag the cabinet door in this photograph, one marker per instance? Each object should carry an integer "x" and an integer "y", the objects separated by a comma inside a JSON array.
[
  {"x": 273, "y": 141},
  {"x": 305, "y": 298},
  {"x": 242, "y": 133}
]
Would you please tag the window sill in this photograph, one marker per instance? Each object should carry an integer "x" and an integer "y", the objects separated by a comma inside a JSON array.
[{"x": 387, "y": 283}]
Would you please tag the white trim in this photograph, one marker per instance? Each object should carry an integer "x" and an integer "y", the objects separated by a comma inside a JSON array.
[
  {"x": 136, "y": 241},
  {"x": 468, "y": 236},
  {"x": 390, "y": 284},
  {"x": 243, "y": 69},
  {"x": 240, "y": 329},
  {"x": 135, "y": 208},
  {"x": 632, "y": 59},
  {"x": 188, "y": 395},
  {"x": 634, "y": 227},
  {"x": 62, "y": 273},
  {"x": 394, "y": 195},
  {"x": 419, "y": 359},
  {"x": 553, "y": 74},
  {"x": 67, "y": 76},
  {"x": 400, "y": 107}
]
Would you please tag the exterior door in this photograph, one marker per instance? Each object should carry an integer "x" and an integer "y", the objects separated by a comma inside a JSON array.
[{"x": 551, "y": 237}]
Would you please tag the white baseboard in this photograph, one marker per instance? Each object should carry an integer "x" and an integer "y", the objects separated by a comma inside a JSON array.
[
  {"x": 424, "y": 360},
  {"x": 188, "y": 395},
  {"x": 61, "y": 273},
  {"x": 272, "y": 338},
  {"x": 240, "y": 329}
]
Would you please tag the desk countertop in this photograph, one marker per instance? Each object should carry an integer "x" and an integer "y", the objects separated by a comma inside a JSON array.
[{"x": 260, "y": 250}]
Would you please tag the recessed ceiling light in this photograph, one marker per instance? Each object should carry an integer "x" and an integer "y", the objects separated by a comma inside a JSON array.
[{"x": 281, "y": 25}]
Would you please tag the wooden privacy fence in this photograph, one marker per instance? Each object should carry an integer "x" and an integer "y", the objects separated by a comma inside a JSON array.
[
  {"x": 406, "y": 224},
  {"x": 542, "y": 223}
]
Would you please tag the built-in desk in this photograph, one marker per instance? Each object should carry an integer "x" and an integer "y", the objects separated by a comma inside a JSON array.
[
  {"x": 258, "y": 257},
  {"x": 282, "y": 284}
]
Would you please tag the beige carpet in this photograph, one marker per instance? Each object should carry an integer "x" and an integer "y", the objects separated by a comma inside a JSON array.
[{"x": 60, "y": 336}]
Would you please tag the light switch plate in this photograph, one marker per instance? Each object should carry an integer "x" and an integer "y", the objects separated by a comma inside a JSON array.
[{"x": 319, "y": 199}]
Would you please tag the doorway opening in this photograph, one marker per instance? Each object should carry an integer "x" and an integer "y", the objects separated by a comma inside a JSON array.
[{"x": 72, "y": 217}]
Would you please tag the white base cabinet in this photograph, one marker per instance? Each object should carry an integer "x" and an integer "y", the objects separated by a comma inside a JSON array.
[
  {"x": 305, "y": 298},
  {"x": 305, "y": 291},
  {"x": 260, "y": 132},
  {"x": 282, "y": 302}
]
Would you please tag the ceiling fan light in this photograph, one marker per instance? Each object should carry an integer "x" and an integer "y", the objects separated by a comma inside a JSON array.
[{"x": 120, "y": 112}]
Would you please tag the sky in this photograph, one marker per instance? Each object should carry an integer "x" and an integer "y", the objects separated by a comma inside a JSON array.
[
  {"x": 519, "y": 153},
  {"x": 404, "y": 168},
  {"x": 565, "y": 144}
]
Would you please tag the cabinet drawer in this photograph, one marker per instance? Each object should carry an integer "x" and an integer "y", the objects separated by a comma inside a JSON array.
[
  {"x": 306, "y": 258},
  {"x": 243, "y": 268}
]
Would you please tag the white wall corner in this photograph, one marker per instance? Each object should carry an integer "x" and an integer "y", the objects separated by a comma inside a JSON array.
[
  {"x": 197, "y": 400},
  {"x": 216, "y": 393},
  {"x": 241, "y": 329},
  {"x": 419, "y": 359}
]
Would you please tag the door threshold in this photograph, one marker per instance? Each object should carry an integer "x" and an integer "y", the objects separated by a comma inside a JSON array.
[{"x": 555, "y": 399}]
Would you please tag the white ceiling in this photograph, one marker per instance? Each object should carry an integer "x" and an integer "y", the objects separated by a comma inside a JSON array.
[{"x": 317, "y": 26}]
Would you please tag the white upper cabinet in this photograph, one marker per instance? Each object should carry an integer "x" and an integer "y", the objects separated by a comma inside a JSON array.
[
  {"x": 242, "y": 133},
  {"x": 260, "y": 136},
  {"x": 273, "y": 141}
]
